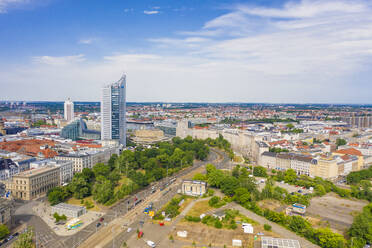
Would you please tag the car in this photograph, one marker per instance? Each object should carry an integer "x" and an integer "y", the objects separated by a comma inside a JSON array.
[
  {"x": 129, "y": 229},
  {"x": 98, "y": 224},
  {"x": 16, "y": 234},
  {"x": 101, "y": 219},
  {"x": 150, "y": 243},
  {"x": 10, "y": 237},
  {"x": 260, "y": 234},
  {"x": 299, "y": 191}
]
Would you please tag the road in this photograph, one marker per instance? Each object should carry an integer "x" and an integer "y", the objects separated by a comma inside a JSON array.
[
  {"x": 46, "y": 237},
  {"x": 113, "y": 235}
]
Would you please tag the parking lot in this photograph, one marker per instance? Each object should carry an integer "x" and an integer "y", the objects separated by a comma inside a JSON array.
[{"x": 339, "y": 212}]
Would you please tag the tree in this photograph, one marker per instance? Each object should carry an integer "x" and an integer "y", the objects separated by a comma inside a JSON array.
[
  {"x": 57, "y": 195},
  {"x": 259, "y": 171},
  {"x": 213, "y": 201},
  {"x": 25, "y": 239},
  {"x": 3, "y": 231},
  {"x": 171, "y": 238},
  {"x": 290, "y": 126},
  {"x": 340, "y": 142},
  {"x": 103, "y": 191},
  {"x": 328, "y": 239},
  {"x": 290, "y": 176},
  {"x": 101, "y": 169},
  {"x": 79, "y": 187}
]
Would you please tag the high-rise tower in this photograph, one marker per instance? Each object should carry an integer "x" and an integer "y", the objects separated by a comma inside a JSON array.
[
  {"x": 69, "y": 110},
  {"x": 113, "y": 109}
]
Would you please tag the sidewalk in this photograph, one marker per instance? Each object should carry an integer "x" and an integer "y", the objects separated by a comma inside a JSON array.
[{"x": 43, "y": 211}]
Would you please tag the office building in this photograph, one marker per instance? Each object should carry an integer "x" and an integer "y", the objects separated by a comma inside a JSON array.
[
  {"x": 113, "y": 109},
  {"x": 78, "y": 130},
  {"x": 32, "y": 184},
  {"x": 69, "y": 110}
]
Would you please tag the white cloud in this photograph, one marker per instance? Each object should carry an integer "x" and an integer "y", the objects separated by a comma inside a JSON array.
[
  {"x": 151, "y": 12},
  {"x": 128, "y": 10},
  {"x": 86, "y": 41},
  {"x": 307, "y": 9},
  {"x": 6, "y": 4},
  {"x": 320, "y": 52},
  {"x": 59, "y": 61}
]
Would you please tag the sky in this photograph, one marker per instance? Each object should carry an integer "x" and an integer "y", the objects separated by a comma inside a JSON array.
[{"x": 277, "y": 51}]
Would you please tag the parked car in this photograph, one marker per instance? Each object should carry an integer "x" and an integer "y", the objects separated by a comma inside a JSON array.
[
  {"x": 101, "y": 219},
  {"x": 129, "y": 229},
  {"x": 98, "y": 224},
  {"x": 151, "y": 243},
  {"x": 16, "y": 234}
]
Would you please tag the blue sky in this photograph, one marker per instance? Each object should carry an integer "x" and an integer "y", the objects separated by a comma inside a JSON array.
[{"x": 188, "y": 50}]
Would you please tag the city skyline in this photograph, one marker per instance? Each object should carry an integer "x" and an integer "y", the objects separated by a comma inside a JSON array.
[{"x": 214, "y": 51}]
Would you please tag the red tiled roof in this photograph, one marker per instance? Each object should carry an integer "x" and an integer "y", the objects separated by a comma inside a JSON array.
[{"x": 350, "y": 151}]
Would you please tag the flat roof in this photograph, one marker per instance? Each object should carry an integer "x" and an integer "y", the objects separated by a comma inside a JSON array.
[
  {"x": 68, "y": 206},
  {"x": 270, "y": 242},
  {"x": 33, "y": 172}
]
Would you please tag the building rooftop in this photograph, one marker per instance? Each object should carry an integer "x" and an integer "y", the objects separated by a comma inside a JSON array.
[
  {"x": 30, "y": 173},
  {"x": 269, "y": 242},
  {"x": 68, "y": 206}
]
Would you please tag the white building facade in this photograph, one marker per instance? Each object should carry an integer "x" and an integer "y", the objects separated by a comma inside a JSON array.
[{"x": 69, "y": 110}]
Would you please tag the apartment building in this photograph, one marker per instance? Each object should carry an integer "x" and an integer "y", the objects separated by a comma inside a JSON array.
[
  {"x": 283, "y": 161},
  {"x": 7, "y": 169},
  {"x": 326, "y": 167},
  {"x": 301, "y": 164},
  {"x": 31, "y": 184},
  {"x": 268, "y": 160},
  {"x": 88, "y": 159},
  {"x": 65, "y": 167}
]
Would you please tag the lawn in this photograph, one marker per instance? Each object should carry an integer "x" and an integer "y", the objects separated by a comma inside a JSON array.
[
  {"x": 200, "y": 208},
  {"x": 74, "y": 201}
]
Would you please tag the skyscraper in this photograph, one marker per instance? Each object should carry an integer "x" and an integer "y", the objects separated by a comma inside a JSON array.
[
  {"x": 69, "y": 110},
  {"x": 113, "y": 109}
]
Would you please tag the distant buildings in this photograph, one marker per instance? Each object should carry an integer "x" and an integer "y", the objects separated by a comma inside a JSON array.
[
  {"x": 7, "y": 168},
  {"x": 78, "y": 130},
  {"x": 69, "y": 110},
  {"x": 113, "y": 109}
]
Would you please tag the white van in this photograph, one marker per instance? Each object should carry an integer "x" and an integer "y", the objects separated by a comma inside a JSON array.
[{"x": 151, "y": 243}]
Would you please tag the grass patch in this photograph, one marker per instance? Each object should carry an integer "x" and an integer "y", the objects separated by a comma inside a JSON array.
[
  {"x": 79, "y": 202},
  {"x": 200, "y": 208}
]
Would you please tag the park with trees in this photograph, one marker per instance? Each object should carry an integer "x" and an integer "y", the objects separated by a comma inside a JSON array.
[{"x": 132, "y": 170}]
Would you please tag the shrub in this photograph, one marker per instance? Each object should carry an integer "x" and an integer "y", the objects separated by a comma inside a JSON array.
[
  {"x": 218, "y": 224},
  {"x": 267, "y": 227}
]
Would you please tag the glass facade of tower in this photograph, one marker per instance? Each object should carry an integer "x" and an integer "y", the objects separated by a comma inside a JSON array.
[
  {"x": 113, "y": 108},
  {"x": 115, "y": 114}
]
